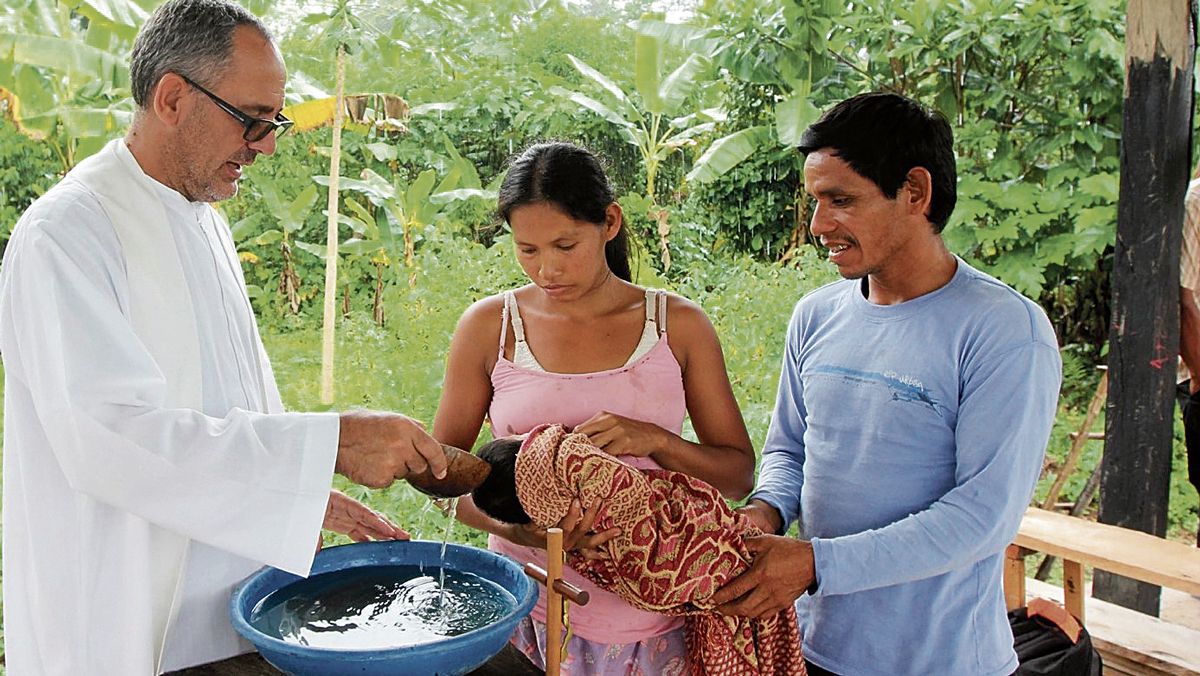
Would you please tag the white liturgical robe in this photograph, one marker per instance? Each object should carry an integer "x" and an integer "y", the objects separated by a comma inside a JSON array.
[{"x": 148, "y": 466}]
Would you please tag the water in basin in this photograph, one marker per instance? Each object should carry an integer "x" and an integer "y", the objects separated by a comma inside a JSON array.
[{"x": 379, "y": 607}]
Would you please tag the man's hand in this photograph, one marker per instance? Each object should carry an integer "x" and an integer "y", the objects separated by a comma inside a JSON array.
[
  {"x": 781, "y": 571},
  {"x": 375, "y": 448},
  {"x": 763, "y": 515},
  {"x": 619, "y": 435},
  {"x": 350, "y": 517}
]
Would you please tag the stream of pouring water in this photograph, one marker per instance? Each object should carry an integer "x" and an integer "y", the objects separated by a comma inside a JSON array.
[
  {"x": 453, "y": 505},
  {"x": 419, "y": 534}
]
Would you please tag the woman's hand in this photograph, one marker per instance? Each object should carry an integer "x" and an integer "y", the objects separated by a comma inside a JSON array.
[
  {"x": 350, "y": 517},
  {"x": 619, "y": 435},
  {"x": 577, "y": 532},
  {"x": 526, "y": 535}
]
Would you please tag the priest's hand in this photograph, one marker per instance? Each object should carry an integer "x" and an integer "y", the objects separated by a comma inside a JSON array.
[
  {"x": 782, "y": 570},
  {"x": 375, "y": 448},
  {"x": 350, "y": 517}
]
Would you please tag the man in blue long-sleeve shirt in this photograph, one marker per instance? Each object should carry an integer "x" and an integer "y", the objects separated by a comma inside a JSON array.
[{"x": 916, "y": 399}]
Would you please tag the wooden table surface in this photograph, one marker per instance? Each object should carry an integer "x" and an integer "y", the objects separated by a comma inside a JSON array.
[{"x": 509, "y": 662}]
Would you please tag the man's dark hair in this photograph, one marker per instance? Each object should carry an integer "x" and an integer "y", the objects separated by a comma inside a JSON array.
[
  {"x": 193, "y": 38},
  {"x": 571, "y": 179},
  {"x": 497, "y": 495},
  {"x": 882, "y": 137}
]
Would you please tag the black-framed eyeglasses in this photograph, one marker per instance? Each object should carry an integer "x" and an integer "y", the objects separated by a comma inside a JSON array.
[{"x": 255, "y": 128}]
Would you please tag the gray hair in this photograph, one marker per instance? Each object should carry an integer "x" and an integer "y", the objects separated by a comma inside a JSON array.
[{"x": 193, "y": 38}]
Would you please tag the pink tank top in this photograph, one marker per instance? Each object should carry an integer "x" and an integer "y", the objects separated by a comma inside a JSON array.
[{"x": 649, "y": 389}]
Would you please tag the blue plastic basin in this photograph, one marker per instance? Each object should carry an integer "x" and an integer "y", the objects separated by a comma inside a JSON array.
[{"x": 454, "y": 655}]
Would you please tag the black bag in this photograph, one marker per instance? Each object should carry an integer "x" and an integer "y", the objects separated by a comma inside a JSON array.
[{"x": 1043, "y": 649}]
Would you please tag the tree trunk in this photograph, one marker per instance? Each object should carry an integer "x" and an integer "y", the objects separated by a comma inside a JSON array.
[
  {"x": 1144, "y": 334},
  {"x": 377, "y": 306},
  {"x": 289, "y": 283},
  {"x": 331, "y": 239}
]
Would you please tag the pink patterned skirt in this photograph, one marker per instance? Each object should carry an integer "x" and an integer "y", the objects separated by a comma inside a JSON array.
[{"x": 664, "y": 655}]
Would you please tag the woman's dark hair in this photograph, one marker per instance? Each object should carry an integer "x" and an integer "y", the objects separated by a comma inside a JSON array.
[
  {"x": 570, "y": 178},
  {"x": 883, "y": 136},
  {"x": 497, "y": 495}
]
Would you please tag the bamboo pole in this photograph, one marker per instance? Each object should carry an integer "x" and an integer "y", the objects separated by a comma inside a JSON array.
[
  {"x": 1078, "y": 441},
  {"x": 554, "y": 601},
  {"x": 331, "y": 238}
]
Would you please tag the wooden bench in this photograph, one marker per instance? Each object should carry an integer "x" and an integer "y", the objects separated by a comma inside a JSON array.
[{"x": 1122, "y": 551}]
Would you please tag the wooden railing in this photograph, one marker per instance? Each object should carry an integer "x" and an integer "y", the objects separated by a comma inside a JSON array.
[
  {"x": 1128, "y": 641},
  {"x": 1082, "y": 543}
]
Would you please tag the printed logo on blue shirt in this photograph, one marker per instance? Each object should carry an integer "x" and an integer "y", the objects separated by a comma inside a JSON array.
[{"x": 902, "y": 387}]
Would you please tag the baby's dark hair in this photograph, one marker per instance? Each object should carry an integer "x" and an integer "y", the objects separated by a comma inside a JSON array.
[{"x": 497, "y": 495}]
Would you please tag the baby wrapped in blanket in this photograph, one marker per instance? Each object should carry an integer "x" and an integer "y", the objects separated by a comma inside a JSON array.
[{"x": 679, "y": 542}]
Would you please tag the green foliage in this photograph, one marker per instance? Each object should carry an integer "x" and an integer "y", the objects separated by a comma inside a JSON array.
[
  {"x": 65, "y": 63},
  {"x": 1031, "y": 87},
  {"x": 398, "y": 366},
  {"x": 480, "y": 72},
  {"x": 659, "y": 117},
  {"x": 27, "y": 169},
  {"x": 758, "y": 206},
  {"x": 1037, "y": 188},
  {"x": 750, "y": 304},
  {"x": 266, "y": 204}
]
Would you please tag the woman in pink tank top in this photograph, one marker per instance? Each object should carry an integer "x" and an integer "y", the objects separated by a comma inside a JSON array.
[{"x": 582, "y": 346}]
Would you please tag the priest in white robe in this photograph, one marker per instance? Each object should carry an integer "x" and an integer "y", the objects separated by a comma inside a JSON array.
[{"x": 148, "y": 463}]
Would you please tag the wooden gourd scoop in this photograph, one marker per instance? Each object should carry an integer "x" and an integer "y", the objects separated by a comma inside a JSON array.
[{"x": 464, "y": 473}]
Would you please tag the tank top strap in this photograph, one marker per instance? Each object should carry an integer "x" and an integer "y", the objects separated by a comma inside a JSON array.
[
  {"x": 510, "y": 311},
  {"x": 514, "y": 312},
  {"x": 661, "y": 316},
  {"x": 503, "y": 322}
]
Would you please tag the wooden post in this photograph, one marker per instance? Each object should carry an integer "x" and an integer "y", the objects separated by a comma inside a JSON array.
[
  {"x": 554, "y": 601},
  {"x": 1073, "y": 588},
  {"x": 1144, "y": 334},
  {"x": 1014, "y": 577}
]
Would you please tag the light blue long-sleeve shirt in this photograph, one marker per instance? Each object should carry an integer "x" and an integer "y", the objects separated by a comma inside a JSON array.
[{"x": 907, "y": 439}]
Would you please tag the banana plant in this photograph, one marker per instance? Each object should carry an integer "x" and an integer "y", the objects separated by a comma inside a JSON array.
[
  {"x": 291, "y": 215},
  {"x": 66, "y": 82},
  {"x": 362, "y": 242},
  {"x": 387, "y": 231},
  {"x": 657, "y": 121},
  {"x": 785, "y": 45}
]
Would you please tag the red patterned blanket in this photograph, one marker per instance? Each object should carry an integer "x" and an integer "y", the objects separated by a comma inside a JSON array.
[{"x": 679, "y": 543}]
